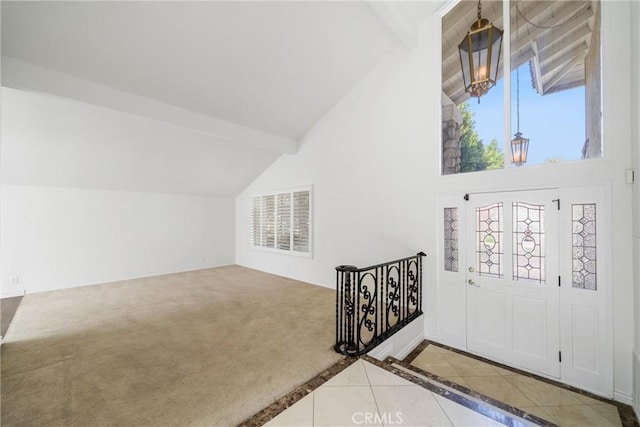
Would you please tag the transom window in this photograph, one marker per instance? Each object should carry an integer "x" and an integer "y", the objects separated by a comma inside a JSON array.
[{"x": 552, "y": 96}]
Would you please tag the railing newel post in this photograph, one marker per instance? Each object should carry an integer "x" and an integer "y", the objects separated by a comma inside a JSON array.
[{"x": 338, "y": 311}]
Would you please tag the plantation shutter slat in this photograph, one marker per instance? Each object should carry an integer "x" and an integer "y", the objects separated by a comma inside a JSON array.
[
  {"x": 284, "y": 221},
  {"x": 255, "y": 214},
  {"x": 268, "y": 221},
  {"x": 301, "y": 221}
]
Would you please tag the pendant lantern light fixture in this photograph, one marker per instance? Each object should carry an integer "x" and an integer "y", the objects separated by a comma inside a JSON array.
[
  {"x": 480, "y": 56},
  {"x": 519, "y": 144}
]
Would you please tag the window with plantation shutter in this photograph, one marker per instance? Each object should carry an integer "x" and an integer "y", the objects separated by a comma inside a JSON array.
[
  {"x": 255, "y": 211},
  {"x": 301, "y": 221},
  {"x": 281, "y": 221},
  {"x": 268, "y": 221},
  {"x": 284, "y": 221}
]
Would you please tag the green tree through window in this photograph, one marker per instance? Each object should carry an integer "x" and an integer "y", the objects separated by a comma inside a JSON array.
[{"x": 474, "y": 155}]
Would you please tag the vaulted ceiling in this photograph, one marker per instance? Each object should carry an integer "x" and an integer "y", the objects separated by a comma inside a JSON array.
[
  {"x": 246, "y": 78},
  {"x": 553, "y": 36},
  {"x": 271, "y": 66}
]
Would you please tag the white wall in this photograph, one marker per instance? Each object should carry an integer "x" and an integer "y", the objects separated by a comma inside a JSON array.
[
  {"x": 635, "y": 136},
  {"x": 54, "y": 238},
  {"x": 365, "y": 159},
  {"x": 52, "y": 141},
  {"x": 374, "y": 161}
]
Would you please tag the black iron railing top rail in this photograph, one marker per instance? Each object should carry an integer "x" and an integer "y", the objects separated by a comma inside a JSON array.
[
  {"x": 375, "y": 302},
  {"x": 353, "y": 268}
]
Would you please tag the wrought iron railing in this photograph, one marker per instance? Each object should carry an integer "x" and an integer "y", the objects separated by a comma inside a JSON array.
[{"x": 373, "y": 303}]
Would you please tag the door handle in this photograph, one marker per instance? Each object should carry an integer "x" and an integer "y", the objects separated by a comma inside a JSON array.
[{"x": 471, "y": 282}]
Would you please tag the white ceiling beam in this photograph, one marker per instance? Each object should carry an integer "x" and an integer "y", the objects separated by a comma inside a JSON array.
[
  {"x": 23, "y": 76},
  {"x": 563, "y": 71},
  {"x": 567, "y": 13},
  {"x": 568, "y": 40},
  {"x": 537, "y": 70},
  {"x": 549, "y": 66},
  {"x": 566, "y": 86},
  {"x": 397, "y": 20}
]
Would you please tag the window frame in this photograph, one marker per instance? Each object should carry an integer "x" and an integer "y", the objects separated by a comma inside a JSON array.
[
  {"x": 507, "y": 103},
  {"x": 275, "y": 249}
]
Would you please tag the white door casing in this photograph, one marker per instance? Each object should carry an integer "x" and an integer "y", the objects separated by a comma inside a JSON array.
[{"x": 505, "y": 333}]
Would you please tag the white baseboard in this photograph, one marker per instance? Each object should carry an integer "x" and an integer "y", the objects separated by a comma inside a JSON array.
[
  {"x": 382, "y": 351},
  {"x": 623, "y": 397},
  {"x": 636, "y": 384},
  {"x": 409, "y": 347},
  {"x": 402, "y": 342},
  {"x": 431, "y": 337},
  {"x": 13, "y": 293}
]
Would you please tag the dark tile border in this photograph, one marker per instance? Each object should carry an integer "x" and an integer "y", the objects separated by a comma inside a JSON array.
[
  {"x": 288, "y": 400},
  {"x": 484, "y": 408},
  {"x": 416, "y": 352},
  {"x": 627, "y": 416}
]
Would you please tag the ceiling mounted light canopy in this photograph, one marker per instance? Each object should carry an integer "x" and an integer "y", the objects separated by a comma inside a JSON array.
[{"x": 480, "y": 56}]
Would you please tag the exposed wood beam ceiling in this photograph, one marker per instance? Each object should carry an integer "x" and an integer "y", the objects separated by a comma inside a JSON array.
[{"x": 554, "y": 36}]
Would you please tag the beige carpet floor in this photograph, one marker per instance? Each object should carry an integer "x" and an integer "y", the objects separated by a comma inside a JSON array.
[
  {"x": 205, "y": 348},
  {"x": 8, "y": 308}
]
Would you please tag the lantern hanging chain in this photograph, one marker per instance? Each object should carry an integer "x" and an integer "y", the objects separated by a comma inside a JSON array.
[
  {"x": 479, "y": 10},
  {"x": 521, "y": 13},
  {"x": 517, "y": 90},
  {"x": 518, "y": 98}
]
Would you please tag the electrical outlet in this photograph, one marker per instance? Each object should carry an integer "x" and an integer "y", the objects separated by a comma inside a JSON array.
[{"x": 15, "y": 280}]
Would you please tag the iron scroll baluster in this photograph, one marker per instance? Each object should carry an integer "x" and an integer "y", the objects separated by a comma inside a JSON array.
[{"x": 375, "y": 302}]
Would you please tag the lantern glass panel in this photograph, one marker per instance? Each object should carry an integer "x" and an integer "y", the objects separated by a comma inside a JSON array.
[
  {"x": 464, "y": 62},
  {"x": 496, "y": 54}
]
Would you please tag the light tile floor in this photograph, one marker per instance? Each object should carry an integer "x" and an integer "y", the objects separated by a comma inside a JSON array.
[
  {"x": 366, "y": 395},
  {"x": 555, "y": 404}
]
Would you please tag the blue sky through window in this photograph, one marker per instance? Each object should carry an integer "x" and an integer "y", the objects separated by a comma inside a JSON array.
[{"x": 554, "y": 123}]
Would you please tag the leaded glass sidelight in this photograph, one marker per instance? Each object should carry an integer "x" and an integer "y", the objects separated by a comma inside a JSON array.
[
  {"x": 529, "y": 242},
  {"x": 489, "y": 229},
  {"x": 451, "y": 239},
  {"x": 583, "y": 221}
]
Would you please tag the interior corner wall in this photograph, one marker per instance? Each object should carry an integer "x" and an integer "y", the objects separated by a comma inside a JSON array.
[
  {"x": 53, "y": 238},
  {"x": 368, "y": 160},
  {"x": 635, "y": 137},
  {"x": 374, "y": 162}
]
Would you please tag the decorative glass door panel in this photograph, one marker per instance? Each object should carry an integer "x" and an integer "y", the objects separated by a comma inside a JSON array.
[
  {"x": 512, "y": 301},
  {"x": 529, "y": 242},
  {"x": 489, "y": 226}
]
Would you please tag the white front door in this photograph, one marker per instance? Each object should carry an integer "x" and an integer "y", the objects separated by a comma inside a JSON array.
[{"x": 512, "y": 278}]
